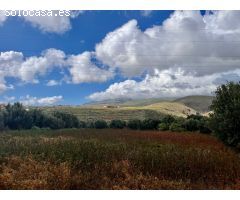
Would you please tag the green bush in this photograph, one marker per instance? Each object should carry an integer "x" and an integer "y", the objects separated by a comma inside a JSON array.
[
  {"x": 163, "y": 126},
  {"x": 117, "y": 124},
  {"x": 192, "y": 124},
  {"x": 176, "y": 127},
  {"x": 100, "y": 124},
  {"x": 134, "y": 124}
]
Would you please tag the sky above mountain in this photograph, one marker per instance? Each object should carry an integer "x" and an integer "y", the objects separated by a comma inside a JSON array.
[{"x": 99, "y": 55}]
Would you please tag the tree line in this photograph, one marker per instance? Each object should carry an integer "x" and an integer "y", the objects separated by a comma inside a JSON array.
[{"x": 17, "y": 117}]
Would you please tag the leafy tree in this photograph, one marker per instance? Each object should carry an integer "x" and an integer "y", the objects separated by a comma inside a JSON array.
[
  {"x": 70, "y": 120},
  {"x": 17, "y": 117},
  {"x": 225, "y": 119}
]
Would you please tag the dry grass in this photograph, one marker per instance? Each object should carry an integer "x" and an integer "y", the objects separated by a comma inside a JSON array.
[{"x": 115, "y": 159}]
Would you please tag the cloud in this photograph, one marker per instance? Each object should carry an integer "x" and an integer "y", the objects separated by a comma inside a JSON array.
[
  {"x": 53, "y": 83},
  {"x": 166, "y": 83},
  {"x": 29, "y": 100},
  {"x": 83, "y": 70},
  {"x": 195, "y": 43},
  {"x": 74, "y": 68},
  {"x": 34, "y": 66}
]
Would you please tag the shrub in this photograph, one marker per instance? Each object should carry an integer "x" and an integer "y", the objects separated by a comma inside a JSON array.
[
  {"x": 204, "y": 126},
  {"x": 163, "y": 126},
  {"x": 176, "y": 127},
  {"x": 134, "y": 124},
  {"x": 100, "y": 124},
  {"x": 192, "y": 124},
  {"x": 117, "y": 124}
]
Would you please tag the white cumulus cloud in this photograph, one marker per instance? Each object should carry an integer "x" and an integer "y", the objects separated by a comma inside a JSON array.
[
  {"x": 83, "y": 70},
  {"x": 196, "y": 43},
  {"x": 44, "y": 101},
  {"x": 166, "y": 83}
]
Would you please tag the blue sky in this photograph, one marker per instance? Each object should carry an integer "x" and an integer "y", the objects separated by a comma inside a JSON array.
[{"x": 164, "y": 54}]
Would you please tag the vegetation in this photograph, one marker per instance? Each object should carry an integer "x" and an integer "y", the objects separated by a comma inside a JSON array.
[
  {"x": 117, "y": 124},
  {"x": 115, "y": 159},
  {"x": 225, "y": 119},
  {"x": 16, "y": 116}
]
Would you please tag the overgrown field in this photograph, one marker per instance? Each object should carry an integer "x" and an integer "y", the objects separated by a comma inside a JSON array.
[{"x": 115, "y": 159}]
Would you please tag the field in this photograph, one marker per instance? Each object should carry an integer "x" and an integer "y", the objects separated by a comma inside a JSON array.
[
  {"x": 155, "y": 110},
  {"x": 115, "y": 159}
]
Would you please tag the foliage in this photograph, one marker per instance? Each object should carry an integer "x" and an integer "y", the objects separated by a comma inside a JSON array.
[
  {"x": 117, "y": 124},
  {"x": 100, "y": 124},
  {"x": 163, "y": 126},
  {"x": 17, "y": 116},
  {"x": 134, "y": 124},
  {"x": 225, "y": 119},
  {"x": 149, "y": 124},
  {"x": 176, "y": 127}
]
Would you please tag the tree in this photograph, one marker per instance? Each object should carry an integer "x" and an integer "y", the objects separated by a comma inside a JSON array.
[{"x": 225, "y": 119}]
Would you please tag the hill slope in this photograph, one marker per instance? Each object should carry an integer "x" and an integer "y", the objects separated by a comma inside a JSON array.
[{"x": 198, "y": 103}]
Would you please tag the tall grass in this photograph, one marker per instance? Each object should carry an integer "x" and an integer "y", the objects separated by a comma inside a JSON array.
[{"x": 115, "y": 159}]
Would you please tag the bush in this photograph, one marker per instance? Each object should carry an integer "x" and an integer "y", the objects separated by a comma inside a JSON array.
[
  {"x": 204, "y": 126},
  {"x": 117, "y": 124},
  {"x": 163, "y": 126},
  {"x": 100, "y": 124},
  {"x": 192, "y": 124},
  {"x": 176, "y": 127},
  {"x": 134, "y": 124}
]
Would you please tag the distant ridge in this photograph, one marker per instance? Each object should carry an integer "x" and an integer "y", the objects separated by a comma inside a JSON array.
[
  {"x": 128, "y": 102},
  {"x": 199, "y": 103}
]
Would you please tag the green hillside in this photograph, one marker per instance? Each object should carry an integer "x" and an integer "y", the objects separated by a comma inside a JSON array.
[{"x": 198, "y": 103}]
